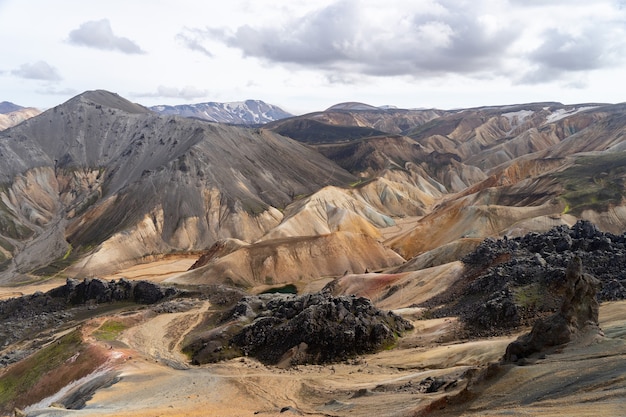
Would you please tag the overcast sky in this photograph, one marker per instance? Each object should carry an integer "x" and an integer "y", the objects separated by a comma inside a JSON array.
[{"x": 308, "y": 55}]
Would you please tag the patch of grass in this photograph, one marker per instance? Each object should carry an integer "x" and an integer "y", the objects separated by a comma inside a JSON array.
[
  {"x": 22, "y": 383},
  {"x": 286, "y": 289},
  {"x": 594, "y": 182},
  {"x": 58, "y": 265},
  {"x": 110, "y": 330},
  {"x": 67, "y": 253},
  {"x": 529, "y": 295}
]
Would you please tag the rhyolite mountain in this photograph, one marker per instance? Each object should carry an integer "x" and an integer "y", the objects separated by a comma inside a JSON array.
[
  {"x": 102, "y": 176},
  {"x": 12, "y": 114},
  {"x": 248, "y": 112},
  {"x": 99, "y": 182},
  {"x": 8, "y": 107},
  {"x": 387, "y": 204}
]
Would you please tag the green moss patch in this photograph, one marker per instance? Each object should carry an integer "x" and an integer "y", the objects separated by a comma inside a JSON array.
[
  {"x": 285, "y": 289},
  {"x": 110, "y": 330},
  {"x": 594, "y": 182},
  {"x": 47, "y": 371}
]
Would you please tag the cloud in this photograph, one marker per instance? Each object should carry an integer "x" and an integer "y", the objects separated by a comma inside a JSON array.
[
  {"x": 192, "y": 39},
  {"x": 187, "y": 93},
  {"x": 562, "y": 53},
  {"x": 98, "y": 34},
  {"x": 482, "y": 39},
  {"x": 349, "y": 35},
  {"x": 39, "y": 70}
]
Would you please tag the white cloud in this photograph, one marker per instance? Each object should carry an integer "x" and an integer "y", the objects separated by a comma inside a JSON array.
[
  {"x": 99, "y": 34},
  {"x": 426, "y": 39},
  {"x": 193, "y": 39},
  {"x": 39, "y": 70},
  {"x": 305, "y": 55}
]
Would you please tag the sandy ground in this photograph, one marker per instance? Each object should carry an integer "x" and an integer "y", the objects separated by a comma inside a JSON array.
[
  {"x": 587, "y": 378},
  {"x": 157, "y": 271},
  {"x": 18, "y": 291},
  {"x": 584, "y": 379}
]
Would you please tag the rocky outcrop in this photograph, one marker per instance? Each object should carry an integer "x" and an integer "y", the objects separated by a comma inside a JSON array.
[
  {"x": 31, "y": 314},
  {"x": 511, "y": 282},
  {"x": 97, "y": 290},
  {"x": 578, "y": 314},
  {"x": 313, "y": 328}
]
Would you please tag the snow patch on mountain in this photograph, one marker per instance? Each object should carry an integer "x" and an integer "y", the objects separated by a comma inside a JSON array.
[
  {"x": 249, "y": 112},
  {"x": 563, "y": 113}
]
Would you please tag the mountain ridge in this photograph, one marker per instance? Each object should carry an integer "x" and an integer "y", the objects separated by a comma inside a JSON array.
[
  {"x": 92, "y": 165},
  {"x": 248, "y": 112}
]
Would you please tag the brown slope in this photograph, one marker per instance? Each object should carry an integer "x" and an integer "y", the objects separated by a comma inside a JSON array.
[
  {"x": 394, "y": 121},
  {"x": 16, "y": 117},
  {"x": 399, "y": 290},
  {"x": 488, "y": 136},
  {"x": 528, "y": 195},
  {"x": 368, "y": 156},
  {"x": 293, "y": 260}
]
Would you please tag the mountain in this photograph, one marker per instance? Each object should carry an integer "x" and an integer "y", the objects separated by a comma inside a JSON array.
[
  {"x": 249, "y": 112},
  {"x": 352, "y": 105},
  {"x": 8, "y": 107},
  {"x": 12, "y": 114},
  {"x": 463, "y": 222},
  {"x": 101, "y": 177},
  {"x": 371, "y": 120}
]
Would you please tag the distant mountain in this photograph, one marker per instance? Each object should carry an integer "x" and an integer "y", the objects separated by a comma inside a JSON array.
[
  {"x": 352, "y": 105},
  {"x": 8, "y": 107},
  {"x": 249, "y": 112},
  {"x": 16, "y": 117}
]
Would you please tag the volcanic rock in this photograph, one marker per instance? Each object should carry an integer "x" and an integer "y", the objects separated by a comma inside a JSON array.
[
  {"x": 313, "y": 328},
  {"x": 508, "y": 283},
  {"x": 578, "y": 314},
  {"x": 26, "y": 315}
]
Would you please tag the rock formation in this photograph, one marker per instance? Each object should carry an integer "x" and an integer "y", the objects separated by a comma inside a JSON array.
[
  {"x": 314, "y": 328},
  {"x": 27, "y": 315},
  {"x": 578, "y": 314},
  {"x": 509, "y": 283}
]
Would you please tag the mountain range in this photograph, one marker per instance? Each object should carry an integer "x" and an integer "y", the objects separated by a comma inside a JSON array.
[
  {"x": 248, "y": 112},
  {"x": 355, "y": 200},
  {"x": 81, "y": 179}
]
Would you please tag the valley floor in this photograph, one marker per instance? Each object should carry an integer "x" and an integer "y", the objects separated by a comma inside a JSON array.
[{"x": 584, "y": 379}]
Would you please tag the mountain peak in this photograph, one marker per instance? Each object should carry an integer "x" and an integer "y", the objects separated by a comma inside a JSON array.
[
  {"x": 352, "y": 105},
  {"x": 8, "y": 107},
  {"x": 110, "y": 100}
]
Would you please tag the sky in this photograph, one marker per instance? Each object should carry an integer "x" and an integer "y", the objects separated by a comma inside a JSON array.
[{"x": 307, "y": 55}]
